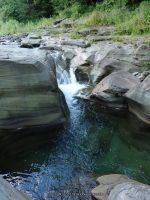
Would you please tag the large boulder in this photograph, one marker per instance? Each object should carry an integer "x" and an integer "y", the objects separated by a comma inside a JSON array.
[
  {"x": 103, "y": 58},
  {"x": 139, "y": 100},
  {"x": 29, "y": 94},
  {"x": 114, "y": 57},
  {"x": 7, "y": 192},
  {"x": 120, "y": 187},
  {"x": 120, "y": 57},
  {"x": 111, "y": 89},
  {"x": 106, "y": 184},
  {"x": 130, "y": 191},
  {"x": 142, "y": 54}
]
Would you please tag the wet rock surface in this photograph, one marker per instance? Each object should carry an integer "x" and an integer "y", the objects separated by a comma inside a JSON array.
[{"x": 7, "y": 192}]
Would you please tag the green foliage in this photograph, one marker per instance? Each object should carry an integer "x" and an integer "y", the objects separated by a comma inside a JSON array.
[
  {"x": 146, "y": 65},
  {"x": 118, "y": 39},
  {"x": 23, "y": 10},
  {"x": 106, "y": 17},
  {"x": 136, "y": 21},
  {"x": 73, "y": 11},
  {"x": 139, "y": 23},
  {"x": 128, "y": 16},
  {"x": 13, "y": 26}
]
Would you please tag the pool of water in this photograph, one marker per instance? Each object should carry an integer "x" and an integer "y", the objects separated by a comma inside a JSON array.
[
  {"x": 63, "y": 163},
  {"x": 93, "y": 142}
]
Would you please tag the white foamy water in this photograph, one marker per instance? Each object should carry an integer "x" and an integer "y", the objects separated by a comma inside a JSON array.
[
  {"x": 71, "y": 87},
  {"x": 66, "y": 79}
]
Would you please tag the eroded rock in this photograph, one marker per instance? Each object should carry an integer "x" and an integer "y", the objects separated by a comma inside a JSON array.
[
  {"x": 106, "y": 184},
  {"x": 139, "y": 100},
  {"x": 29, "y": 94},
  {"x": 130, "y": 191},
  {"x": 120, "y": 187},
  {"x": 111, "y": 89}
]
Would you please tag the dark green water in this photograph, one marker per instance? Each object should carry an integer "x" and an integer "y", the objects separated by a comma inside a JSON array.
[{"x": 94, "y": 141}]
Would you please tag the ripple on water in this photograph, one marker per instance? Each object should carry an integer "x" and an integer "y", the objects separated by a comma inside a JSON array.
[{"x": 63, "y": 163}]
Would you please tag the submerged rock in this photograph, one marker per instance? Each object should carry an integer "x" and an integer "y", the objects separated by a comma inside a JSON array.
[
  {"x": 139, "y": 100},
  {"x": 7, "y": 192},
  {"x": 120, "y": 187},
  {"x": 29, "y": 94},
  {"x": 111, "y": 89}
]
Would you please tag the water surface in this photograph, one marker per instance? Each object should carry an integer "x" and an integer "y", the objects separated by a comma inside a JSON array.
[{"x": 63, "y": 163}]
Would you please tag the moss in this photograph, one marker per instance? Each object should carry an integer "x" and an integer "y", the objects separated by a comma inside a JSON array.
[
  {"x": 147, "y": 41},
  {"x": 146, "y": 65}
]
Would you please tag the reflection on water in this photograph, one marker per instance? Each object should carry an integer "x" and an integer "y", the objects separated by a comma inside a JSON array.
[
  {"x": 92, "y": 143},
  {"x": 62, "y": 164}
]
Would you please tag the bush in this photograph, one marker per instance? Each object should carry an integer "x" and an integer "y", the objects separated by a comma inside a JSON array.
[
  {"x": 22, "y": 10},
  {"x": 13, "y": 26},
  {"x": 139, "y": 23},
  {"x": 127, "y": 21}
]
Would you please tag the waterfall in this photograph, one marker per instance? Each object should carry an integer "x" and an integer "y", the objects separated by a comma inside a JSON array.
[
  {"x": 63, "y": 78},
  {"x": 73, "y": 79},
  {"x": 71, "y": 87},
  {"x": 66, "y": 79}
]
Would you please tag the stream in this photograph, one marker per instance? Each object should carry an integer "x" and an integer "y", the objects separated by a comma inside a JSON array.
[{"x": 95, "y": 141}]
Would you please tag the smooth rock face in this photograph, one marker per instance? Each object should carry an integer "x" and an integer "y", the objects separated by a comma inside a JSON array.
[
  {"x": 117, "y": 58},
  {"x": 29, "y": 95},
  {"x": 139, "y": 100},
  {"x": 111, "y": 89},
  {"x": 7, "y": 192},
  {"x": 106, "y": 184},
  {"x": 130, "y": 191},
  {"x": 143, "y": 53},
  {"x": 120, "y": 187}
]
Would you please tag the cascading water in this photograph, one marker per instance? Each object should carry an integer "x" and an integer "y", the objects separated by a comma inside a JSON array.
[{"x": 69, "y": 85}]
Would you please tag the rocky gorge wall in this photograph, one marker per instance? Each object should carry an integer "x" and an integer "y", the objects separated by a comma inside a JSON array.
[
  {"x": 95, "y": 58},
  {"x": 29, "y": 94},
  {"x": 117, "y": 76}
]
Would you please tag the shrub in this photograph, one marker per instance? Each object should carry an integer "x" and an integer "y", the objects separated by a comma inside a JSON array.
[
  {"x": 139, "y": 23},
  {"x": 127, "y": 21}
]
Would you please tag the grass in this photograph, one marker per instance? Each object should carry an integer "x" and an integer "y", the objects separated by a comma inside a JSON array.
[
  {"x": 135, "y": 22},
  {"x": 12, "y": 26},
  {"x": 125, "y": 20},
  {"x": 146, "y": 65},
  {"x": 139, "y": 23},
  {"x": 118, "y": 39}
]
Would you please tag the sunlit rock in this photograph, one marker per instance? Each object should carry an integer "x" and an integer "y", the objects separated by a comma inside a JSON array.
[
  {"x": 29, "y": 94},
  {"x": 139, "y": 100},
  {"x": 111, "y": 89}
]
